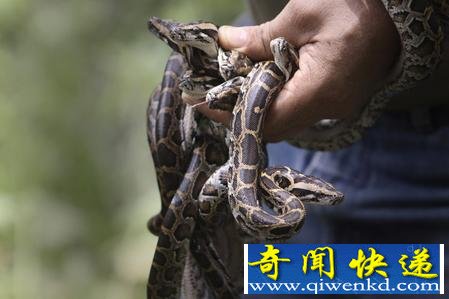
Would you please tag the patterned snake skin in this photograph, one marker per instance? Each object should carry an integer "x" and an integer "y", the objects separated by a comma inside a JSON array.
[
  {"x": 252, "y": 190},
  {"x": 200, "y": 186}
]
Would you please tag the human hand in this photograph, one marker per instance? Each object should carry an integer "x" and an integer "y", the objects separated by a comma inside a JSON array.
[{"x": 346, "y": 50}]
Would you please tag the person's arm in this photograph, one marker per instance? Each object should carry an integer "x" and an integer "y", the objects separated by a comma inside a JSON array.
[
  {"x": 348, "y": 50},
  {"x": 421, "y": 27}
]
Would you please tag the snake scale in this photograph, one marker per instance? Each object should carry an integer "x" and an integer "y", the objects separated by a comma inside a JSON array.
[
  {"x": 206, "y": 173},
  {"x": 223, "y": 175}
]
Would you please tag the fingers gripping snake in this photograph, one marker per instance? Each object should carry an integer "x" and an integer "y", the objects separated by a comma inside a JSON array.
[
  {"x": 197, "y": 73},
  {"x": 266, "y": 203},
  {"x": 248, "y": 156}
]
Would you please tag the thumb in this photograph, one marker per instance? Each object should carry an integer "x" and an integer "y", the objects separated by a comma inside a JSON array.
[{"x": 254, "y": 41}]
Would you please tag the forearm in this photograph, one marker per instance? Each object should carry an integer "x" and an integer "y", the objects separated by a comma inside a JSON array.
[{"x": 423, "y": 29}]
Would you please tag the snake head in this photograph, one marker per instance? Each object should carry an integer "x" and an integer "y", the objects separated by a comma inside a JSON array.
[
  {"x": 316, "y": 191},
  {"x": 200, "y": 35},
  {"x": 224, "y": 96},
  {"x": 162, "y": 29},
  {"x": 285, "y": 56},
  {"x": 279, "y": 45},
  {"x": 182, "y": 37},
  {"x": 196, "y": 86},
  {"x": 308, "y": 189},
  {"x": 233, "y": 63}
]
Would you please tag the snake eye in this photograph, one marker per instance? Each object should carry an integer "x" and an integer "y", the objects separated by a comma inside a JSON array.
[
  {"x": 177, "y": 35},
  {"x": 282, "y": 181},
  {"x": 303, "y": 193},
  {"x": 185, "y": 84}
]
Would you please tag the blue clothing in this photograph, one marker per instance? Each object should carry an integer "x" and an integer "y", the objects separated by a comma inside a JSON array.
[
  {"x": 396, "y": 172},
  {"x": 395, "y": 181}
]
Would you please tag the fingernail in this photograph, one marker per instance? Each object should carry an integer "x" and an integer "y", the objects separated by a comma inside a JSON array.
[{"x": 233, "y": 37}]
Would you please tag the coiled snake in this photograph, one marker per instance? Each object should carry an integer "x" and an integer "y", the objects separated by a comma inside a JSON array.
[
  {"x": 205, "y": 171},
  {"x": 202, "y": 184}
]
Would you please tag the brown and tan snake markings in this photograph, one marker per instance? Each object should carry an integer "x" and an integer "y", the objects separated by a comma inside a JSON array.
[
  {"x": 164, "y": 136},
  {"x": 216, "y": 190}
]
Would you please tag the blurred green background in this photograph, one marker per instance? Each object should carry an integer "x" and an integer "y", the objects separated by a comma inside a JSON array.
[{"x": 77, "y": 183}]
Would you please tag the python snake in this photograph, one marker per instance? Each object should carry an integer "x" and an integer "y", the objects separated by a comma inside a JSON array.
[
  {"x": 199, "y": 192},
  {"x": 266, "y": 203}
]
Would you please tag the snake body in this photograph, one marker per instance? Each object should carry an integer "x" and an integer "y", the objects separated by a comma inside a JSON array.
[
  {"x": 199, "y": 193},
  {"x": 164, "y": 136},
  {"x": 265, "y": 203},
  {"x": 179, "y": 221},
  {"x": 168, "y": 129},
  {"x": 249, "y": 159}
]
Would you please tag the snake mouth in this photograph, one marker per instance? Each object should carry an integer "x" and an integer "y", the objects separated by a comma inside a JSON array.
[
  {"x": 325, "y": 197},
  {"x": 160, "y": 26},
  {"x": 338, "y": 198}
]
